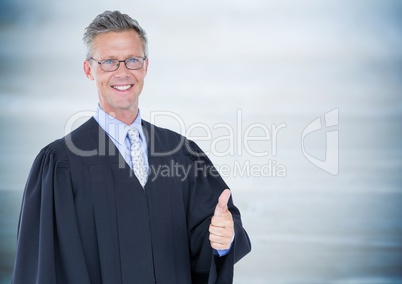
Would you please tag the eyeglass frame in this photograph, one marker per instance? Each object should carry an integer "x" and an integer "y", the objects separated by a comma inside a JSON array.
[{"x": 119, "y": 61}]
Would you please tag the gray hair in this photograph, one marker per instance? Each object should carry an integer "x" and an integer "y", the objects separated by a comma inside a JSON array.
[{"x": 114, "y": 21}]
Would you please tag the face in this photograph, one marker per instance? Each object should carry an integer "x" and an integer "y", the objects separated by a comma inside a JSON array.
[{"x": 118, "y": 90}]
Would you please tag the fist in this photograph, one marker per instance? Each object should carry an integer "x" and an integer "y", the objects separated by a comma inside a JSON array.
[{"x": 221, "y": 229}]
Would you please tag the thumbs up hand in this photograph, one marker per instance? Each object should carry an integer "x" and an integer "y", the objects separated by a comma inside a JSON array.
[{"x": 221, "y": 229}]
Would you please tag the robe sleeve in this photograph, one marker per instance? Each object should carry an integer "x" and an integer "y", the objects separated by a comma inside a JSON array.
[
  {"x": 49, "y": 249},
  {"x": 205, "y": 186}
]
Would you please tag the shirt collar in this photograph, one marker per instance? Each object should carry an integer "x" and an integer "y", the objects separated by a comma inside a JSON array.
[{"x": 116, "y": 129}]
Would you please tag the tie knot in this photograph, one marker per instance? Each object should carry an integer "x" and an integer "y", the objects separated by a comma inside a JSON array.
[
  {"x": 133, "y": 134},
  {"x": 134, "y": 137}
]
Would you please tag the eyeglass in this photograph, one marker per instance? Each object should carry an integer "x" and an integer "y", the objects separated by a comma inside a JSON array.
[{"x": 132, "y": 63}]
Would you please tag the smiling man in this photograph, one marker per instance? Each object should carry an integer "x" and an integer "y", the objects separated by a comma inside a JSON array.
[
  {"x": 96, "y": 208},
  {"x": 118, "y": 88}
]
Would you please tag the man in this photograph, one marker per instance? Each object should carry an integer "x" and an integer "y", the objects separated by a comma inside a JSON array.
[{"x": 119, "y": 200}]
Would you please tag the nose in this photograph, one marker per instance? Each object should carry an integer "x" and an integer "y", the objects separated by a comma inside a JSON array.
[{"x": 122, "y": 71}]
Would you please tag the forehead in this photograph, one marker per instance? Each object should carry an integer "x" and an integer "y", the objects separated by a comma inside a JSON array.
[{"x": 118, "y": 44}]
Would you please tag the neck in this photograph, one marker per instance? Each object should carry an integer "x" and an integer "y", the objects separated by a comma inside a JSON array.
[{"x": 126, "y": 116}]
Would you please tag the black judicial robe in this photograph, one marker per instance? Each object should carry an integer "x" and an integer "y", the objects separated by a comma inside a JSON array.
[{"x": 86, "y": 219}]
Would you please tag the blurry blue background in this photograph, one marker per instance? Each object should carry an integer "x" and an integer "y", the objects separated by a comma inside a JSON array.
[{"x": 273, "y": 62}]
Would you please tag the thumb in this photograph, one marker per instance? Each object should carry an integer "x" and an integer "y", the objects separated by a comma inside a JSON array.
[{"x": 222, "y": 205}]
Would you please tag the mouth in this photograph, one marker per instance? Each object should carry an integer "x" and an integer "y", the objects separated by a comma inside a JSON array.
[{"x": 122, "y": 87}]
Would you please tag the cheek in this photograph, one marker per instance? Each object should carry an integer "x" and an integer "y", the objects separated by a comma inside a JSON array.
[
  {"x": 140, "y": 78},
  {"x": 103, "y": 81}
]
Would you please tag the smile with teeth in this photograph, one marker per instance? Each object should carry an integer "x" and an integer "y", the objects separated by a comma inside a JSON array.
[{"x": 122, "y": 87}]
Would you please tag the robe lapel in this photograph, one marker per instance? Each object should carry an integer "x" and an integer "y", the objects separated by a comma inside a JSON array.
[
  {"x": 166, "y": 211},
  {"x": 122, "y": 220},
  {"x": 141, "y": 232}
]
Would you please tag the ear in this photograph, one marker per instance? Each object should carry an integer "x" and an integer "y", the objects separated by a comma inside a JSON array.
[
  {"x": 87, "y": 70},
  {"x": 146, "y": 66}
]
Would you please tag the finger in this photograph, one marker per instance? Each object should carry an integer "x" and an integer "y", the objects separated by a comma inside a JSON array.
[
  {"x": 222, "y": 205},
  {"x": 221, "y": 232},
  {"x": 218, "y": 242},
  {"x": 219, "y": 246},
  {"x": 222, "y": 222}
]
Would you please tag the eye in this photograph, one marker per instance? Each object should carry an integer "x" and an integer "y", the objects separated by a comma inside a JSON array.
[
  {"x": 132, "y": 60},
  {"x": 108, "y": 61}
]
